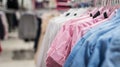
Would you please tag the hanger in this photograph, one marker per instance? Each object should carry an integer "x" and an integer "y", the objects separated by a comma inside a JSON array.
[
  {"x": 67, "y": 13},
  {"x": 104, "y": 13},
  {"x": 73, "y": 12},
  {"x": 112, "y": 7},
  {"x": 106, "y": 7},
  {"x": 92, "y": 13},
  {"x": 78, "y": 11},
  {"x": 99, "y": 12}
]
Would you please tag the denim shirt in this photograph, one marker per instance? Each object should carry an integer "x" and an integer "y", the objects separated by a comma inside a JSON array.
[
  {"x": 102, "y": 44},
  {"x": 82, "y": 44},
  {"x": 112, "y": 56},
  {"x": 85, "y": 52}
]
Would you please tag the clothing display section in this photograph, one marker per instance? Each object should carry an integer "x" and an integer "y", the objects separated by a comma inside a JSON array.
[{"x": 79, "y": 33}]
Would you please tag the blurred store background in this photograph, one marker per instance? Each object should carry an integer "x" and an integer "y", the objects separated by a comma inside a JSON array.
[
  {"x": 22, "y": 27},
  {"x": 28, "y": 28}
]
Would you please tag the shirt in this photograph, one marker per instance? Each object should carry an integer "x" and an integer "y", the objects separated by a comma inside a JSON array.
[
  {"x": 61, "y": 46},
  {"x": 82, "y": 45},
  {"x": 102, "y": 44},
  {"x": 112, "y": 54},
  {"x": 5, "y": 23},
  {"x": 52, "y": 29},
  {"x": 74, "y": 21}
]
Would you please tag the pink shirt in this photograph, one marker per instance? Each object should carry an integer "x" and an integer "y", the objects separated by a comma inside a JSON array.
[
  {"x": 66, "y": 29},
  {"x": 65, "y": 40}
]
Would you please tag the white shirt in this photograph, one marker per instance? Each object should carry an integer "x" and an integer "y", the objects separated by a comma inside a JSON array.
[{"x": 53, "y": 27}]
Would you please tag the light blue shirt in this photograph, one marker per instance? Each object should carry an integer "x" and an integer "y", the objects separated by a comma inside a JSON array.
[
  {"x": 112, "y": 56},
  {"x": 77, "y": 57},
  {"x": 102, "y": 44}
]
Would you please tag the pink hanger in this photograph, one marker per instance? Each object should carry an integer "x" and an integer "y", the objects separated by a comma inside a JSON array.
[{"x": 94, "y": 11}]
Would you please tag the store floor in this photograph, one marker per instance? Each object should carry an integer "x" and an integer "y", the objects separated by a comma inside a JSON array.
[{"x": 9, "y": 46}]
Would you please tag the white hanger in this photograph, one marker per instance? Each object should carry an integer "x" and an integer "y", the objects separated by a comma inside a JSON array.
[
  {"x": 70, "y": 12},
  {"x": 79, "y": 10}
]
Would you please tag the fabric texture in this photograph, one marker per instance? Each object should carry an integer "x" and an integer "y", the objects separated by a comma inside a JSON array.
[
  {"x": 5, "y": 24},
  {"x": 38, "y": 33},
  {"x": 66, "y": 39},
  {"x": 84, "y": 48},
  {"x": 112, "y": 54},
  {"x": 12, "y": 21},
  {"x": 45, "y": 21},
  {"x": 52, "y": 29},
  {"x": 28, "y": 26}
]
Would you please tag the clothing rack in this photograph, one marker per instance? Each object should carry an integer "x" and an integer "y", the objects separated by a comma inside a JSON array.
[
  {"x": 106, "y": 2},
  {"x": 56, "y": 53}
]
